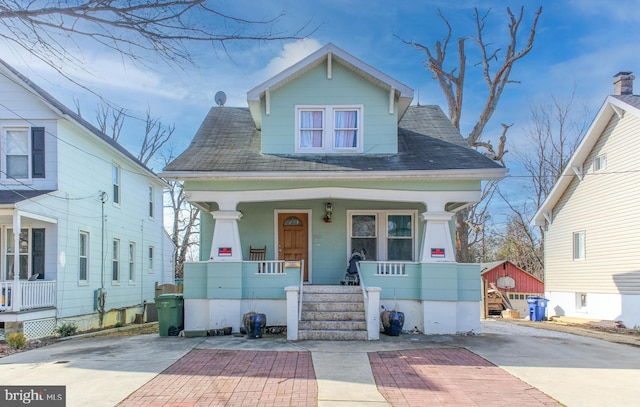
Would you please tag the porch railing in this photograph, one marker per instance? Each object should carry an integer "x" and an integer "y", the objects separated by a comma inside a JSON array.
[
  {"x": 33, "y": 294},
  {"x": 392, "y": 268},
  {"x": 268, "y": 266}
]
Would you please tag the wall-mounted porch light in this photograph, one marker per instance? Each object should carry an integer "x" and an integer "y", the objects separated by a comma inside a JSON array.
[{"x": 328, "y": 209}]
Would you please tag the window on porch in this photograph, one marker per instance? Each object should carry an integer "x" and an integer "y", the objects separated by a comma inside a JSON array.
[
  {"x": 384, "y": 235},
  {"x": 31, "y": 252}
]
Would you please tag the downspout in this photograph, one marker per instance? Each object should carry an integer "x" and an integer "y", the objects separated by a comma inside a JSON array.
[{"x": 102, "y": 295}]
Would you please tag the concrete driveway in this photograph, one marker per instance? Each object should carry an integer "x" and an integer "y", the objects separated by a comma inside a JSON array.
[{"x": 107, "y": 371}]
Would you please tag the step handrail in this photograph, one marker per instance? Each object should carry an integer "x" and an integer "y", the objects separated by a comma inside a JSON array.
[
  {"x": 301, "y": 286},
  {"x": 364, "y": 289}
]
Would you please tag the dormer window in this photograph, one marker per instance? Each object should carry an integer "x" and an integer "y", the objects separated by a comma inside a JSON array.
[{"x": 329, "y": 129}]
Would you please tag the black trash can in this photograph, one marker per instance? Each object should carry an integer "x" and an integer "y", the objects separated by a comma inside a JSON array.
[{"x": 170, "y": 314}]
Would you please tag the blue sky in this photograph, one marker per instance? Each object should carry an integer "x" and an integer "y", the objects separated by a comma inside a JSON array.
[{"x": 580, "y": 44}]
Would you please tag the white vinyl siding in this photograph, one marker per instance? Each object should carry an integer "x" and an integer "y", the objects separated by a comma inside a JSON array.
[{"x": 603, "y": 205}]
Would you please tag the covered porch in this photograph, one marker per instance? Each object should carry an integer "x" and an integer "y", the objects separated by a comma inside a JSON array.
[
  {"x": 409, "y": 263},
  {"x": 27, "y": 287}
]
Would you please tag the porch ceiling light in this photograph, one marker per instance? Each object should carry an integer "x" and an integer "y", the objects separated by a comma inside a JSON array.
[{"x": 328, "y": 209}]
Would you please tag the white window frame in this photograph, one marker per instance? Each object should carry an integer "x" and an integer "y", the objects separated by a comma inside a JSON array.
[
  {"x": 5, "y": 246},
  {"x": 600, "y": 163},
  {"x": 115, "y": 262},
  {"x": 582, "y": 302},
  {"x": 382, "y": 237},
  {"x": 328, "y": 129},
  {"x": 132, "y": 262},
  {"x": 150, "y": 258},
  {"x": 86, "y": 256},
  {"x": 152, "y": 202},
  {"x": 579, "y": 245},
  {"x": 116, "y": 179},
  {"x": 4, "y": 149}
]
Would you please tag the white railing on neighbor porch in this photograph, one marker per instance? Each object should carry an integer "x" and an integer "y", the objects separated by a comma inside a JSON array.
[
  {"x": 392, "y": 268},
  {"x": 33, "y": 294}
]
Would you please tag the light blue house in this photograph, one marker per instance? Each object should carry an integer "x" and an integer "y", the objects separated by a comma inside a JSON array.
[
  {"x": 331, "y": 158},
  {"x": 91, "y": 243}
]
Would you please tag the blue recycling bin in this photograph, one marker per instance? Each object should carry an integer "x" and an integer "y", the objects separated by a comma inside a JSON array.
[{"x": 537, "y": 307}]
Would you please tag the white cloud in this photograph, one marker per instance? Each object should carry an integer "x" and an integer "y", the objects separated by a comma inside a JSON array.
[{"x": 289, "y": 55}]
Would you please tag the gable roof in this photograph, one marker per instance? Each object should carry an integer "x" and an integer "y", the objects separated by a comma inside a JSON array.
[
  {"x": 64, "y": 111},
  {"x": 228, "y": 145},
  {"x": 402, "y": 92},
  {"x": 613, "y": 105}
]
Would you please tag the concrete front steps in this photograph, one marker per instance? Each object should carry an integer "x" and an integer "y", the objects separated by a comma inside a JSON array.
[{"x": 332, "y": 312}]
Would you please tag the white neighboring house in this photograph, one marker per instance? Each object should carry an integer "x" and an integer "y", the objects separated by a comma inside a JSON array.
[
  {"x": 91, "y": 244},
  {"x": 592, "y": 218}
]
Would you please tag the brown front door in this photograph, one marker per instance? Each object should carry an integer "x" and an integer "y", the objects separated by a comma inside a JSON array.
[{"x": 293, "y": 238}]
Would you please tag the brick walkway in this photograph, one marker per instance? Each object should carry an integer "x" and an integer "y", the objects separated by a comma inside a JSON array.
[
  {"x": 450, "y": 377},
  {"x": 232, "y": 378}
]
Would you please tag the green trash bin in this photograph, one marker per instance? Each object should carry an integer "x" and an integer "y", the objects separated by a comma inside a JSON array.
[{"x": 170, "y": 314}]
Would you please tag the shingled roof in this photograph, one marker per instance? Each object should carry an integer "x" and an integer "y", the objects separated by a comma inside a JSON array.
[{"x": 228, "y": 141}]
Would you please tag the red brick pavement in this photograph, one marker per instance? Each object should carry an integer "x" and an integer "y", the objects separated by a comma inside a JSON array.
[
  {"x": 449, "y": 377},
  {"x": 232, "y": 378}
]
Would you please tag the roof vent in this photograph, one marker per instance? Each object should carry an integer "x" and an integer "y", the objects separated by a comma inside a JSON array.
[{"x": 623, "y": 83}]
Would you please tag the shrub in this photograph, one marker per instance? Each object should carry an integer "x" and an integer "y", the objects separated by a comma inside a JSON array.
[
  {"x": 66, "y": 329},
  {"x": 16, "y": 340}
]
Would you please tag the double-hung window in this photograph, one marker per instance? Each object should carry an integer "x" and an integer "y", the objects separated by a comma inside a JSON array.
[
  {"x": 383, "y": 235},
  {"x": 132, "y": 261},
  {"x": 150, "y": 260},
  {"x": 22, "y": 153},
  {"x": 600, "y": 163},
  {"x": 329, "y": 129},
  {"x": 116, "y": 184},
  {"x": 151, "y": 202},
  {"x": 16, "y": 153},
  {"x": 84, "y": 257},
  {"x": 115, "y": 262},
  {"x": 579, "y": 245}
]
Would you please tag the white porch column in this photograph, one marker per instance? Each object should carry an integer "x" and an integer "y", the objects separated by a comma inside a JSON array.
[
  {"x": 437, "y": 244},
  {"x": 226, "y": 236},
  {"x": 16, "y": 304}
]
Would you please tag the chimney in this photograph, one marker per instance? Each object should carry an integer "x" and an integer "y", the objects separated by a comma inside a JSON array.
[{"x": 623, "y": 83}]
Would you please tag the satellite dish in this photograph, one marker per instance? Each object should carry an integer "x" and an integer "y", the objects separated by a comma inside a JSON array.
[
  {"x": 506, "y": 282},
  {"x": 221, "y": 98}
]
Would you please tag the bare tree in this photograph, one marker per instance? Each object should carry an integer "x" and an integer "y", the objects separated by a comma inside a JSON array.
[
  {"x": 452, "y": 81},
  {"x": 135, "y": 29},
  {"x": 110, "y": 120},
  {"x": 184, "y": 223},
  {"x": 554, "y": 133},
  {"x": 155, "y": 136}
]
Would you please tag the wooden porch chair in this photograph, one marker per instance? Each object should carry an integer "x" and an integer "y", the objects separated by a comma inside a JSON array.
[{"x": 258, "y": 254}]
